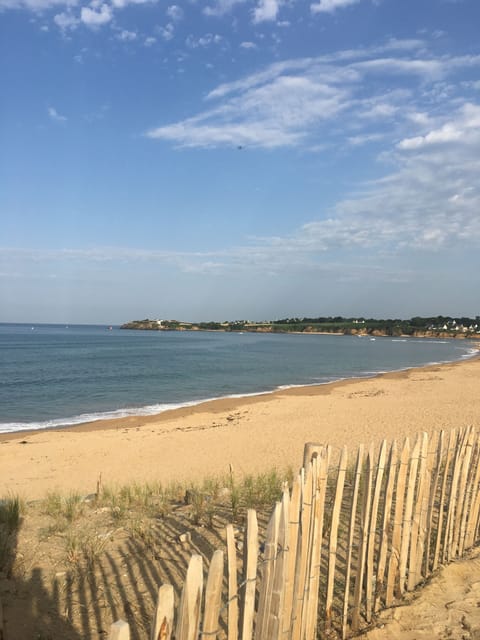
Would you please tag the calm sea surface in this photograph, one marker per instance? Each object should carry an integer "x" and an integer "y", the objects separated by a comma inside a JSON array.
[{"x": 53, "y": 375}]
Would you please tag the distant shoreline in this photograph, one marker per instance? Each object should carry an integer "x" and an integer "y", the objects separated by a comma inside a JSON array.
[{"x": 152, "y": 325}]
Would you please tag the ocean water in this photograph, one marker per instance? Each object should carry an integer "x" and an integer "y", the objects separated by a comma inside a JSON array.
[{"x": 53, "y": 375}]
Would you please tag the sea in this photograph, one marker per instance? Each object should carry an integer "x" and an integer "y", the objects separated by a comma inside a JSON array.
[{"x": 59, "y": 375}]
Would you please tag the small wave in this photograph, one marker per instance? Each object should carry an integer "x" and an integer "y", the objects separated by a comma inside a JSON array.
[
  {"x": 83, "y": 418},
  {"x": 153, "y": 409},
  {"x": 471, "y": 353}
]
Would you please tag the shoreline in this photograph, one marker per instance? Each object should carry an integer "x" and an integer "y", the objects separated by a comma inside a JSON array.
[
  {"x": 132, "y": 413},
  {"x": 254, "y": 433}
]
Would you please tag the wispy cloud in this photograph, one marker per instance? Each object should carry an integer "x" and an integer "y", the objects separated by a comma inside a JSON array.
[
  {"x": 35, "y": 5},
  {"x": 126, "y": 36},
  {"x": 55, "y": 116},
  {"x": 221, "y": 7},
  {"x": 465, "y": 126},
  {"x": 313, "y": 101},
  {"x": 206, "y": 40},
  {"x": 273, "y": 115},
  {"x": 174, "y": 12},
  {"x": 264, "y": 11},
  {"x": 330, "y": 6},
  {"x": 426, "y": 205},
  {"x": 167, "y": 32},
  {"x": 248, "y": 45}
]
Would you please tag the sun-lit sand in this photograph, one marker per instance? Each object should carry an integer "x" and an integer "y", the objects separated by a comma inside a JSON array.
[{"x": 251, "y": 434}]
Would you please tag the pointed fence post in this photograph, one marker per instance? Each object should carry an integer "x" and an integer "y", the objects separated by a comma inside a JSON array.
[
  {"x": 213, "y": 594},
  {"x": 387, "y": 516},
  {"x": 266, "y": 584},
  {"x": 293, "y": 536},
  {"x": 275, "y": 619},
  {"x": 350, "y": 537},
  {"x": 250, "y": 564},
  {"x": 463, "y": 493},
  {"x": 162, "y": 626},
  {"x": 333, "y": 539},
  {"x": 413, "y": 579},
  {"x": 432, "y": 500},
  {"x": 232, "y": 584},
  {"x": 452, "y": 499},
  {"x": 441, "y": 525},
  {"x": 372, "y": 531},
  {"x": 316, "y": 543},
  {"x": 191, "y": 600},
  {"x": 299, "y": 593},
  {"x": 422, "y": 554},
  {"x": 364, "y": 530},
  {"x": 407, "y": 515},
  {"x": 394, "y": 563}
]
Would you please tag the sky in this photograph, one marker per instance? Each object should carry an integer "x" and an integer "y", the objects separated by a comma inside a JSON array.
[{"x": 238, "y": 159}]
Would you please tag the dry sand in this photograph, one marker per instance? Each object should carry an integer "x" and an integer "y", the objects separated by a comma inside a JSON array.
[
  {"x": 258, "y": 433},
  {"x": 252, "y": 434},
  {"x": 447, "y": 608}
]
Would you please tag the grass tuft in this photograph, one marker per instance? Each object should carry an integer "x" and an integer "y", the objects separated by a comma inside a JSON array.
[{"x": 11, "y": 509}]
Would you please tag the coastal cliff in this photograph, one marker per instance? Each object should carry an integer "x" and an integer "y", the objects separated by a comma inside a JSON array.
[{"x": 337, "y": 326}]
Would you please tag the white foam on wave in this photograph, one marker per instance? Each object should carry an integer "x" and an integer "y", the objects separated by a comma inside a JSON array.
[{"x": 83, "y": 418}]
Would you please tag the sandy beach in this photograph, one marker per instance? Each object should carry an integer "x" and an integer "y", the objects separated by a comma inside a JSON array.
[{"x": 252, "y": 434}]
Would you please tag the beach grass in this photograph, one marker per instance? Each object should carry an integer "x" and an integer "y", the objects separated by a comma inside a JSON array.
[{"x": 11, "y": 510}]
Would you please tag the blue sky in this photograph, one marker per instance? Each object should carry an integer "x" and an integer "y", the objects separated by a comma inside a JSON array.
[{"x": 238, "y": 159}]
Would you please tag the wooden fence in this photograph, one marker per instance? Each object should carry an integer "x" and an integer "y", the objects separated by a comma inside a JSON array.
[{"x": 349, "y": 538}]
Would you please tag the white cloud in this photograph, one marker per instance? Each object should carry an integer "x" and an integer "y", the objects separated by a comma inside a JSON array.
[
  {"x": 35, "y": 5},
  {"x": 221, "y": 7},
  {"x": 167, "y": 32},
  {"x": 54, "y": 115},
  {"x": 174, "y": 12},
  {"x": 66, "y": 20},
  {"x": 360, "y": 140},
  {"x": 149, "y": 41},
  {"x": 93, "y": 18},
  {"x": 127, "y": 36},
  {"x": 121, "y": 4},
  {"x": 203, "y": 41},
  {"x": 248, "y": 45},
  {"x": 464, "y": 126},
  {"x": 330, "y": 6},
  {"x": 266, "y": 10}
]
